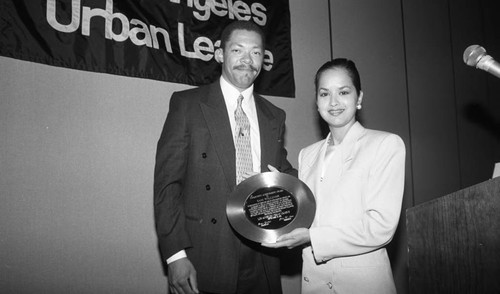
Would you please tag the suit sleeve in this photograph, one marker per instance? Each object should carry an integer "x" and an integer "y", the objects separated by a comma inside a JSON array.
[
  {"x": 170, "y": 170},
  {"x": 381, "y": 208},
  {"x": 284, "y": 165}
]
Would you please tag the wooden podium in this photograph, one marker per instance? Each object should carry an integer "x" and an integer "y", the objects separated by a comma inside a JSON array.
[{"x": 454, "y": 242}]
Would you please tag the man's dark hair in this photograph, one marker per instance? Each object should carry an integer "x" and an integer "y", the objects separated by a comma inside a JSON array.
[{"x": 241, "y": 25}]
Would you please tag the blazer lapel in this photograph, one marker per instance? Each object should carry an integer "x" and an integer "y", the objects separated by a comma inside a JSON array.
[
  {"x": 215, "y": 112},
  {"x": 348, "y": 147}
]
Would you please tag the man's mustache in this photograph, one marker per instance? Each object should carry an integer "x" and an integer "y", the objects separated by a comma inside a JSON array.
[{"x": 245, "y": 67}]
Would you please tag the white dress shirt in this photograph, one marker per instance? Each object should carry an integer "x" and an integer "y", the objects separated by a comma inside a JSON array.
[{"x": 231, "y": 95}]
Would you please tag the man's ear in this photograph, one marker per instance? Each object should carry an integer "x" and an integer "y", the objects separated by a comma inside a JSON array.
[{"x": 219, "y": 56}]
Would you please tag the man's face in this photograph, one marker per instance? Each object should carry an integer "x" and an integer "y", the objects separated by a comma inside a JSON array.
[{"x": 241, "y": 58}]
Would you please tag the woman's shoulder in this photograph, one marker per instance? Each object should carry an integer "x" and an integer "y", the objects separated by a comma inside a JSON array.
[
  {"x": 309, "y": 154},
  {"x": 311, "y": 150},
  {"x": 314, "y": 146},
  {"x": 383, "y": 137}
]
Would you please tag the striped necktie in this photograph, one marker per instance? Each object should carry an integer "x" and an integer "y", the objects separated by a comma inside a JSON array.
[{"x": 243, "y": 146}]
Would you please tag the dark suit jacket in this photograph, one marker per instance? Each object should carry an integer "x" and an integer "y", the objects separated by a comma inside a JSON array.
[{"x": 194, "y": 175}]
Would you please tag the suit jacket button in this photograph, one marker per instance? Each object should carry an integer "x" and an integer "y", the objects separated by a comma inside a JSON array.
[
  {"x": 214, "y": 221},
  {"x": 330, "y": 285},
  {"x": 207, "y": 187},
  {"x": 306, "y": 279},
  {"x": 204, "y": 155}
]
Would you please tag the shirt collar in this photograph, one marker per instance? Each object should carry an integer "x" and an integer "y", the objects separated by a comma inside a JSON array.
[
  {"x": 346, "y": 147},
  {"x": 231, "y": 94},
  {"x": 352, "y": 134}
]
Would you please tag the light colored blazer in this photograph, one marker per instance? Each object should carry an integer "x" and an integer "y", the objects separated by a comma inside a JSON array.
[{"x": 359, "y": 190}]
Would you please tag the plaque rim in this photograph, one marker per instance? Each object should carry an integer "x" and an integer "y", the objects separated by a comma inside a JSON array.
[{"x": 306, "y": 206}]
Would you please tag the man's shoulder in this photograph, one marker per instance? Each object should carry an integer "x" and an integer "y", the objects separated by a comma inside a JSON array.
[
  {"x": 266, "y": 103},
  {"x": 193, "y": 95},
  {"x": 195, "y": 92}
]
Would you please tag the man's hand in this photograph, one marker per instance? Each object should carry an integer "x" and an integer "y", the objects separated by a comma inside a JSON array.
[
  {"x": 272, "y": 168},
  {"x": 182, "y": 277},
  {"x": 248, "y": 174},
  {"x": 291, "y": 240}
]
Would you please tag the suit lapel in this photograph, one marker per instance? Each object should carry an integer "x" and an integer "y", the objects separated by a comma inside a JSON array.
[{"x": 215, "y": 113}]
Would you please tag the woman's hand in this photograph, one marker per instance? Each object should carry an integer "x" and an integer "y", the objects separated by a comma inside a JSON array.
[{"x": 291, "y": 240}]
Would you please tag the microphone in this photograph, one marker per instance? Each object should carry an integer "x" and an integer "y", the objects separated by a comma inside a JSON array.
[{"x": 476, "y": 56}]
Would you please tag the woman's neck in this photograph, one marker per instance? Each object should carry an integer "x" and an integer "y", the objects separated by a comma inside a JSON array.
[{"x": 338, "y": 134}]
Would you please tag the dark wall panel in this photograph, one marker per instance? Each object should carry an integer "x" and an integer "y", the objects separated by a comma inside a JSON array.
[
  {"x": 474, "y": 114},
  {"x": 433, "y": 123}
]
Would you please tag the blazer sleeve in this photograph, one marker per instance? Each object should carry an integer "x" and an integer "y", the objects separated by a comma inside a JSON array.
[
  {"x": 170, "y": 170},
  {"x": 381, "y": 207},
  {"x": 284, "y": 165}
]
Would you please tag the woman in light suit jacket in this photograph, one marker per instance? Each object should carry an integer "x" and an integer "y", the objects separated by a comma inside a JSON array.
[{"x": 357, "y": 178}]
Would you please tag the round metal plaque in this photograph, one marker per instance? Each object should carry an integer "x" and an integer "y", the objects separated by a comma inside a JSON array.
[{"x": 270, "y": 204}]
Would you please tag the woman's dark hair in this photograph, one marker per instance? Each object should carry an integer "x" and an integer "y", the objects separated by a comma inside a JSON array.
[
  {"x": 240, "y": 25},
  {"x": 347, "y": 65}
]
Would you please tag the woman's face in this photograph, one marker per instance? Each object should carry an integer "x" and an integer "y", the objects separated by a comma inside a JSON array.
[{"x": 337, "y": 98}]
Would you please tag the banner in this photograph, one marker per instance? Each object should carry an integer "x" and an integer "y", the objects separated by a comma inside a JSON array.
[{"x": 168, "y": 40}]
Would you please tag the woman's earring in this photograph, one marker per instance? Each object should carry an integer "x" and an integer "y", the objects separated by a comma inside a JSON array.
[{"x": 358, "y": 106}]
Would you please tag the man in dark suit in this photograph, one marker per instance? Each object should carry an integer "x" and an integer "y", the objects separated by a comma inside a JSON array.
[{"x": 196, "y": 171}]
